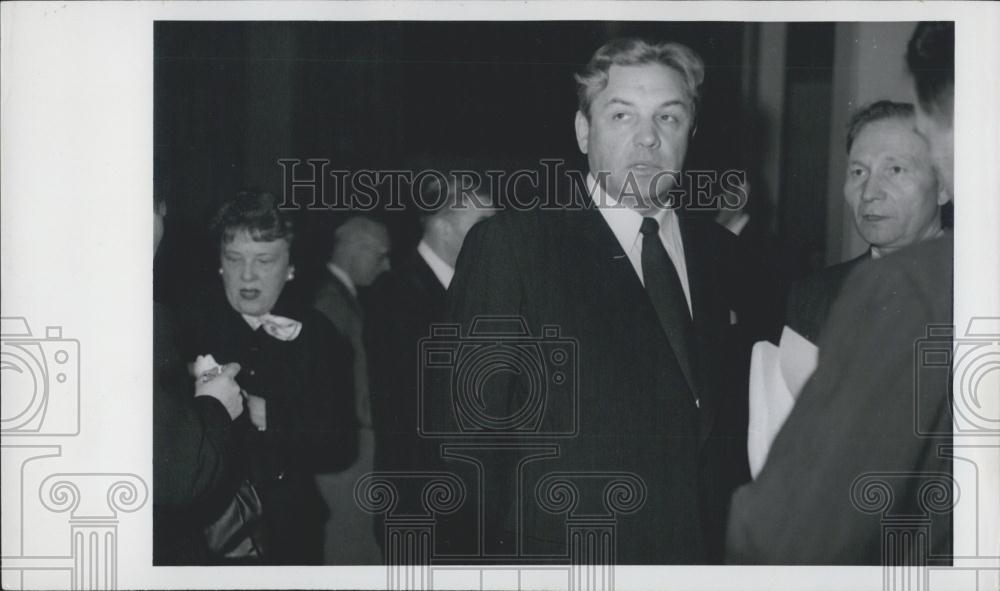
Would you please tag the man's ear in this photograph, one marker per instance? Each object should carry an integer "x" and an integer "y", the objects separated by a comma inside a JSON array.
[
  {"x": 582, "y": 131},
  {"x": 291, "y": 272},
  {"x": 944, "y": 195}
]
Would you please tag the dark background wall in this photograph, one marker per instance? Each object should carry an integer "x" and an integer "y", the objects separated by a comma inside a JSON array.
[{"x": 231, "y": 98}]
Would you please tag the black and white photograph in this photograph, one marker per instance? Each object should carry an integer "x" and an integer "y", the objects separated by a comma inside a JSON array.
[{"x": 501, "y": 297}]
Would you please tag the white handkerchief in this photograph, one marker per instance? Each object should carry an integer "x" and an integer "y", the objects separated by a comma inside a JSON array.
[
  {"x": 279, "y": 327},
  {"x": 204, "y": 365},
  {"x": 777, "y": 375}
]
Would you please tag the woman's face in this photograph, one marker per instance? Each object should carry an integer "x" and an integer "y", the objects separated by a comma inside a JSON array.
[{"x": 254, "y": 273}]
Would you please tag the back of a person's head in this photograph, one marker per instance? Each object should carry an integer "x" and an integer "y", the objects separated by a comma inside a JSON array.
[
  {"x": 930, "y": 57},
  {"x": 357, "y": 230},
  {"x": 457, "y": 197}
]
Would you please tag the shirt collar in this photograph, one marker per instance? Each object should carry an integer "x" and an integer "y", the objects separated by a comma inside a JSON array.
[
  {"x": 442, "y": 270},
  {"x": 624, "y": 222},
  {"x": 344, "y": 278}
]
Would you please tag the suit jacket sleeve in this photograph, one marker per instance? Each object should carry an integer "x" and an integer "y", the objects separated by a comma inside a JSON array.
[
  {"x": 487, "y": 275},
  {"x": 191, "y": 436},
  {"x": 487, "y": 282},
  {"x": 392, "y": 335},
  {"x": 190, "y": 443},
  {"x": 854, "y": 417}
]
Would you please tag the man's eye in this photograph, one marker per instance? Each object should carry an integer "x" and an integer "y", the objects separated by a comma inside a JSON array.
[
  {"x": 896, "y": 169},
  {"x": 620, "y": 116},
  {"x": 668, "y": 118},
  {"x": 857, "y": 172}
]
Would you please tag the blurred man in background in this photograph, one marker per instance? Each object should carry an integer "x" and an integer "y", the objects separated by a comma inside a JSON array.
[{"x": 360, "y": 253}]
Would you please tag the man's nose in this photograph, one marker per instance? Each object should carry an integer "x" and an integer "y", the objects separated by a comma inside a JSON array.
[
  {"x": 647, "y": 136},
  {"x": 872, "y": 190}
]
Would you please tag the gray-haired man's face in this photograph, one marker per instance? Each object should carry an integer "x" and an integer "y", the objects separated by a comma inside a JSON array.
[
  {"x": 637, "y": 133},
  {"x": 891, "y": 187}
]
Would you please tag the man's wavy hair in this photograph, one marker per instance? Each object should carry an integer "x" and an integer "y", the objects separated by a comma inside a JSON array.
[
  {"x": 877, "y": 111},
  {"x": 255, "y": 212},
  {"x": 930, "y": 57},
  {"x": 629, "y": 51}
]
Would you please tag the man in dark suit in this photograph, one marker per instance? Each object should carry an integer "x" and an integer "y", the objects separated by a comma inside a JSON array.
[
  {"x": 624, "y": 395},
  {"x": 865, "y": 446},
  {"x": 894, "y": 195},
  {"x": 192, "y": 437},
  {"x": 360, "y": 253},
  {"x": 409, "y": 299}
]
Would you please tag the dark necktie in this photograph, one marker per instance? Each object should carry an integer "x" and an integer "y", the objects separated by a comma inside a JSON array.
[{"x": 663, "y": 285}]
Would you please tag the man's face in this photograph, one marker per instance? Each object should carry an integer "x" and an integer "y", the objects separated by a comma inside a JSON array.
[
  {"x": 940, "y": 137},
  {"x": 891, "y": 186},
  {"x": 254, "y": 273},
  {"x": 639, "y": 127}
]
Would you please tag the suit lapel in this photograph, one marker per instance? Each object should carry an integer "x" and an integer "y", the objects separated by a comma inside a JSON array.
[
  {"x": 621, "y": 286},
  {"x": 602, "y": 252}
]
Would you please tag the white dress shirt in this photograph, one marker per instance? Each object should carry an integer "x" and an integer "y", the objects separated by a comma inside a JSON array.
[
  {"x": 344, "y": 278},
  {"x": 625, "y": 224},
  {"x": 442, "y": 270}
]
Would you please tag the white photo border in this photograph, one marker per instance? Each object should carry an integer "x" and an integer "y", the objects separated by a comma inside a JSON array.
[{"x": 75, "y": 178}]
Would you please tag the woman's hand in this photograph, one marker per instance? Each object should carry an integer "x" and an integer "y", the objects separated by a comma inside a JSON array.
[
  {"x": 257, "y": 407},
  {"x": 222, "y": 386}
]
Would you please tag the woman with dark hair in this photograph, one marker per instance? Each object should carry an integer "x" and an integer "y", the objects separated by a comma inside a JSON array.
[{"x": 296, "y": 377}]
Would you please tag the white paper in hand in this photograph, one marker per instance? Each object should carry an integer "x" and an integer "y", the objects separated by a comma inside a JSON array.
[
  {"x": 777, "y": 375},
  {"x": 798, "y": 359}
]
